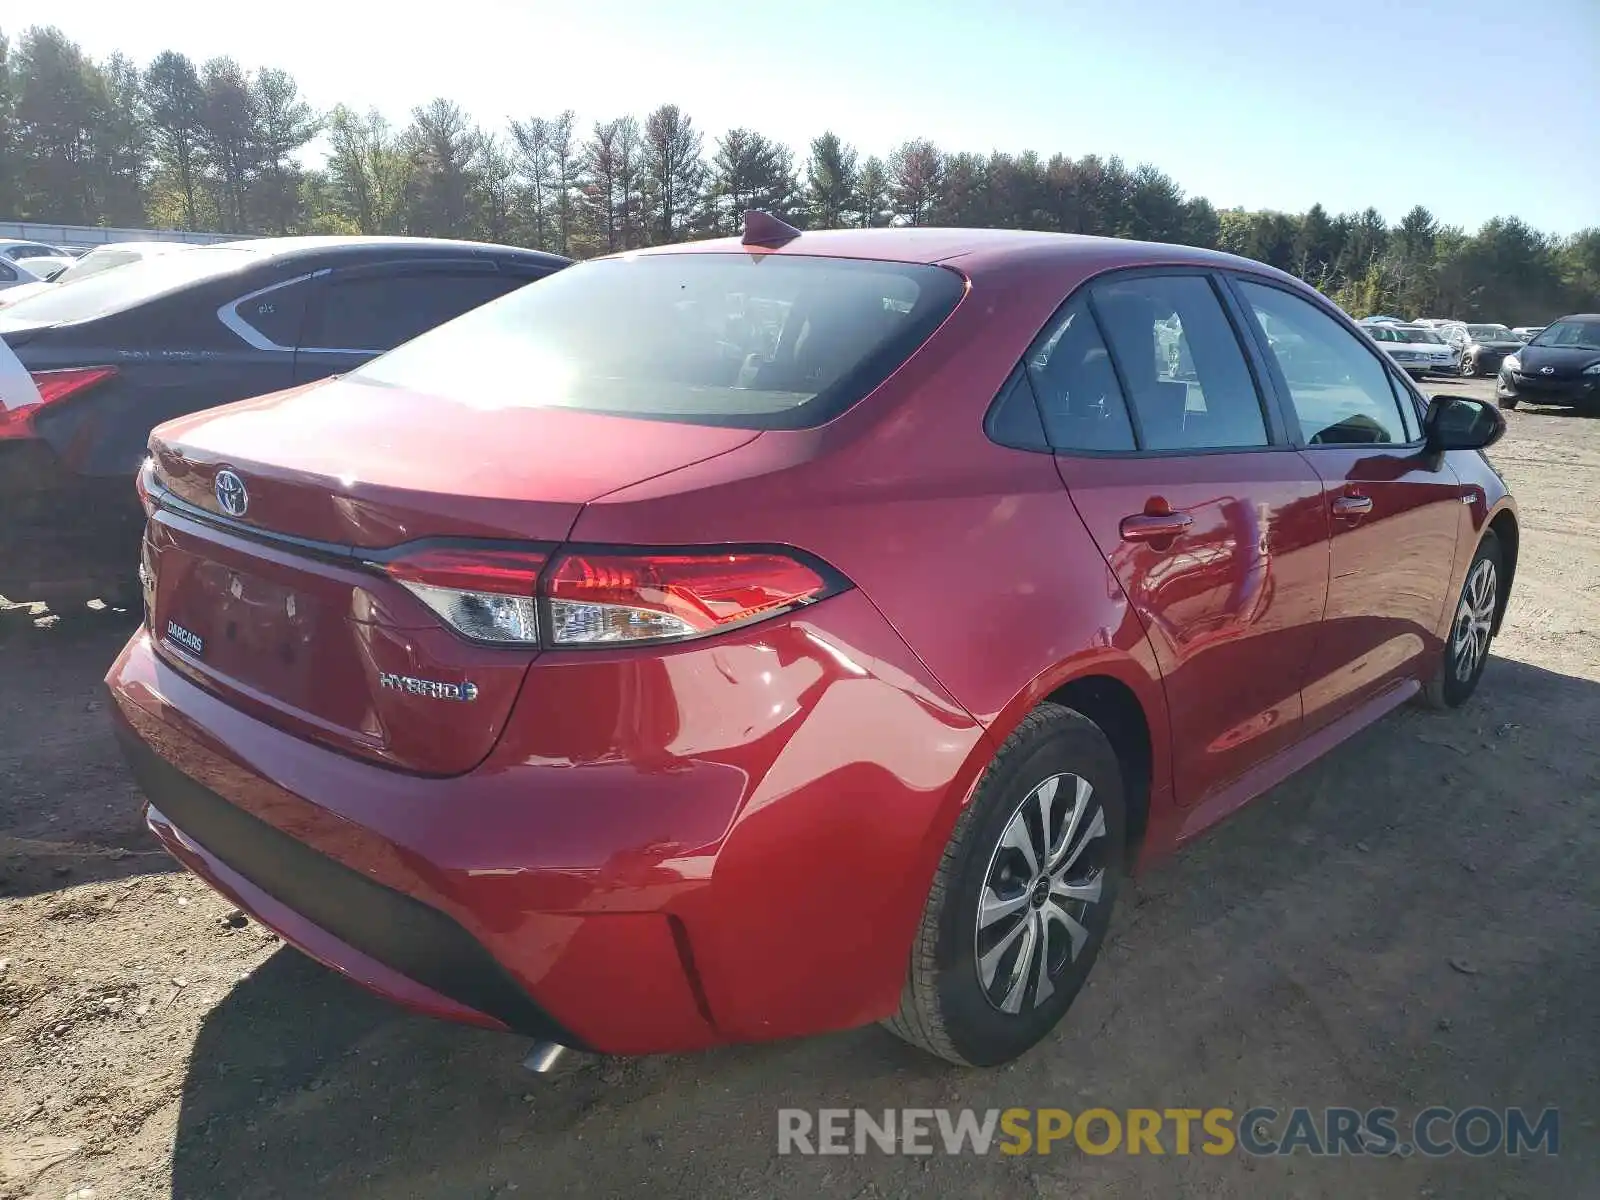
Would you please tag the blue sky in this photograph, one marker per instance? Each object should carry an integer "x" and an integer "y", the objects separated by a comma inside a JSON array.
[{"x": 1475, "y": 108}]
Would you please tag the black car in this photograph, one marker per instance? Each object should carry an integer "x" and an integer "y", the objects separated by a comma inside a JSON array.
[
  {"x": 1483, "y": 347},
  {"x": 1559, "y": 366},
  {"x": 116, "y": 354}
]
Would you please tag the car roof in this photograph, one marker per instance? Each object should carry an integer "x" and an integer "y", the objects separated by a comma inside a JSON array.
[
  {"x": 978, "y": 251},
  {"x": 1575, "y": 317},
  {"x": 361, "y": 247}
]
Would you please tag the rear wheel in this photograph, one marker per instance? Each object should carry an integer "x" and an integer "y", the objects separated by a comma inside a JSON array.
[
  {"x": 1469, "y": 366},
  {"x": 1507, "y": 403},
  {"x": 1023, "y": 895},
  {"x": 1466, "y": 649}
]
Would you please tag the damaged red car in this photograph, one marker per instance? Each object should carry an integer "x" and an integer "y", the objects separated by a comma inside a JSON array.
[{"x": 767, "y": 636}]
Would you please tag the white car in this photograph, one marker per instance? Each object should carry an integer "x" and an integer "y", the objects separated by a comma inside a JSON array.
[
  {"x": 101, "y": 258},
  {"x": 1527, "y": 333},
  {"x": 1415, "y": 349},
  {"x": 14, "y": 277}
]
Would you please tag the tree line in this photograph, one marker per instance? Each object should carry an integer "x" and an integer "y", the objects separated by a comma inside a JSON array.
[{"x": 215, "y": 146}]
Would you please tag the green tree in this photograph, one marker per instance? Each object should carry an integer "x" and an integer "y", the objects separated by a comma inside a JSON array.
[
  {"x": 367, "y": 174},
  {"x": 916, "y": 173},
  {"x": 830, "y": 181},
  {"x": 445, "y": 151},
  {"x": 749, "y": 171},
  {"x": 873, "y": 206},
  {"x": 59, "y": 110},
  {"x": 175, "y": 102},
  {"x": 228, "y": 142},
  {"x": 284, "y": 124},
  {"x": 674, "y": 172},
  {"x": 1155, "y": 206},
  {"x": 10, "y": 157}
]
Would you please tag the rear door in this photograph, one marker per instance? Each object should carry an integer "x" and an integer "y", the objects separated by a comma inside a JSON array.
[
  {"x": 1213, "y": 525},
  {"x": 1394, "y": 510},
  {"x": 357, "y": 313}
]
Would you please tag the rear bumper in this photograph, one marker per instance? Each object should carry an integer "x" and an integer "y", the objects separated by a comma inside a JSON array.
[
  {"x": 63, "y": 534},
  {"x": 663, "y": 875}
]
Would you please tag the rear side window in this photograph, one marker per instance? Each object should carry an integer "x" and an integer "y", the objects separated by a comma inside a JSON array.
[
  {"x": 1180, "y": 363},
  {"x": 1079, "y": 398},
  {"x": 271, "y": 317},
  {"x": 379, "y": 311},
  {"x": 757, "y": 341},
  {"x": 1340, "y": 389}
]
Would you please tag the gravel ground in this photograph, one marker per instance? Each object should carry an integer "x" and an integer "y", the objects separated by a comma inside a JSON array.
[{"x": 1413, "y": 920}]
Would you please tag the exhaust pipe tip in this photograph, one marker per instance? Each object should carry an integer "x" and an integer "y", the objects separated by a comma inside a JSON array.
[{"x": 544, "y": 1057}]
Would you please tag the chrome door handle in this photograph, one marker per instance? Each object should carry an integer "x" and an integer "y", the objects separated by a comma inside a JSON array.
[
  {"x": 1352, "y": 506},
  {"x": 1148, "y": 527}
]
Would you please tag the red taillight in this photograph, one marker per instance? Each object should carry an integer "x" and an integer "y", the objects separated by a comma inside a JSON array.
[
  {"x": 598, "y": 598},
  {"x": 53, "y": 387},
  {"x": 595, "y": 597},
  {"x": 486, "y": 594}
]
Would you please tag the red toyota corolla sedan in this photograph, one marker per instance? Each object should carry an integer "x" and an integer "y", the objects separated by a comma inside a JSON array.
[{"x": 760, "y": 637}]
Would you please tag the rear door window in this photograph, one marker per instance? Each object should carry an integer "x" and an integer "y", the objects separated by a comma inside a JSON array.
[
  {"x": 1080, "y": 400},
  {"x": 379, "y": 310},
  {"x": 759, "y": 341},
  {"x": 1180, "y": 363}
]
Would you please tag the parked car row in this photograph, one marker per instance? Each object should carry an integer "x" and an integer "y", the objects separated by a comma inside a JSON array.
[
  {"x": 1415, "y": 349},
  {"x": 92, "y": 262}
]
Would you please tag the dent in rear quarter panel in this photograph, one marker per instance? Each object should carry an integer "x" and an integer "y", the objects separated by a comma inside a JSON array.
[{"x": 812, "y": 753}]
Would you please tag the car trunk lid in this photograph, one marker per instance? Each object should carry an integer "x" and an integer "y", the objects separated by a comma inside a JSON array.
[{"x": 277, "y": 599}]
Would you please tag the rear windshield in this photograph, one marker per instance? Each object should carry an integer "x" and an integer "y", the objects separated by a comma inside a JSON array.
[
  {"x": 1421, "y": 335},
  {"x": 1490, "y": 331},
  {"x": 1576, "y": 335},
  {"x": 773, "y": 341},
  {"x": 112, "y": 291}
]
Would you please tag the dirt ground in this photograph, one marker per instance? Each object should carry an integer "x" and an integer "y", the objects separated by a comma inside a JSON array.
[{"x": 1413, "y": 920}]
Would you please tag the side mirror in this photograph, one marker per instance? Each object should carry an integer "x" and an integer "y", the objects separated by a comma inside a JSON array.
[{"x": 1460, "y": 423}]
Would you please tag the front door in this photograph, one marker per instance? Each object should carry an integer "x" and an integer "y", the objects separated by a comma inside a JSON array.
[
  {"x": 1212, "y": 524},
  {"x": 1394, "y": 510}
]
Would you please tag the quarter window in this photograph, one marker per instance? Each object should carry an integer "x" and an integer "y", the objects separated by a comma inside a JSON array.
[
  {"x": 1340, "y": 389},
  {"x": 1080, "y": 400},
  {"x": 1180, "y": 361}
]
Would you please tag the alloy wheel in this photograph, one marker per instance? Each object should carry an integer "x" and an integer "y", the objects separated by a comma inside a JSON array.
[
  {"x": 1474, "y": 619},
  {"x": 1469, "y": 368},
  {"x": 1045, "y": 876}
]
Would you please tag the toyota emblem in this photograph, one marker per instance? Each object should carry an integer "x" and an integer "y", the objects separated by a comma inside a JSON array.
[{"x": 231, "y": 495}]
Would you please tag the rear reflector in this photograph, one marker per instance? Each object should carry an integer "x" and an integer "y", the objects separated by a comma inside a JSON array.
[
  {"x": 484, "y": 594},
  {"x": 53, "y": 386},
  {"x": 606, "y": 598},
  {"x": 599, "y": 598}
]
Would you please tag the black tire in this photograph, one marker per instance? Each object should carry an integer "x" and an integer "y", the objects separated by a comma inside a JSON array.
[
  {"x": 1469, "y": 367},
  {"x": 946, "y": 1009},
  {"x": 1508, "y": 403},
  {"x": 1450, "y": 687}
]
